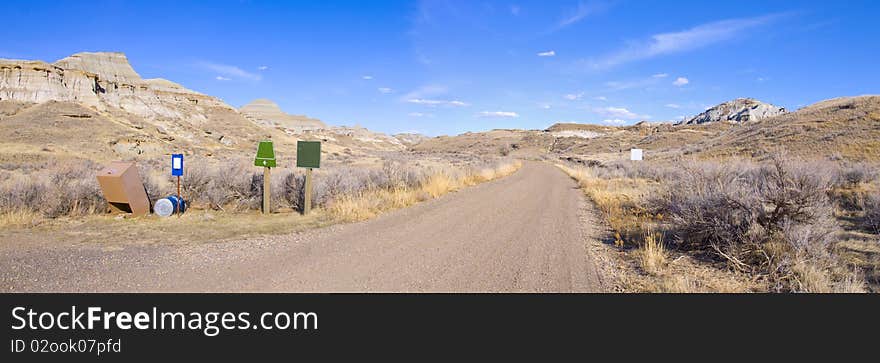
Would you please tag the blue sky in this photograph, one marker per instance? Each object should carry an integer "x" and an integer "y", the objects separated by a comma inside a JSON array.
[{"x": 445, "y": 67}]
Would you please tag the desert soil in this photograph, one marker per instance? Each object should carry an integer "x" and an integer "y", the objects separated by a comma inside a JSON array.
[{"x": 522, "y": 233}]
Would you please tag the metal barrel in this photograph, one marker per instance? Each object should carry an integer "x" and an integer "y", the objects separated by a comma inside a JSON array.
[{"x": 167, "y": 206}]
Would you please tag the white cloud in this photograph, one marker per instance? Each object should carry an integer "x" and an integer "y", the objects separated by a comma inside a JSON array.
[
  {"x": 583, "y": 10},
  {"x": 660, "y": 75},
  {"x": 601, "y": 98},
  {"x": 433, "y": 103},
  {"x": 673, "y": 105},
  {"x": 230, "y": 72},
  {"x": 619, "y": 113},
  {"x": 549, "y": 53},
  {"x": 544, "y": 106},
  {"x": 221, "y": 78},
  {"x": 426, "y": 91},
  {"x": 506, "y": 114},
  {"x": 573, "y": 97},
  {"x": 385, "y": 90},
  {"x": 262, "y": 68},
  {"x": 419, "y": 114},
  {"x": 680, "y": 81},
  {"x": 694, "y": 38},
  {"x": 614, "y": 121},
  {"x": 367, "y": 77}
]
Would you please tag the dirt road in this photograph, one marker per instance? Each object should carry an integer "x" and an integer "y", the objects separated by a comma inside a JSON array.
[{"x": 522, "y": 233}]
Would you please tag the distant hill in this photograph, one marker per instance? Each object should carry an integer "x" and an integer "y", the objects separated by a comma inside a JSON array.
[
  {"x": 268, "y": 113},
  {"x": 847, "y": 127}
]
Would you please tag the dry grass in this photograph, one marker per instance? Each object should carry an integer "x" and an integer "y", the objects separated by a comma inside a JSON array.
[
  {"x": 193, "y": 227},
  {"x": 767, "y": 227},
  {"x": 20, "y": 218},
  {"x": 619, "y": 201},
  {"x": 652, "y": 255},
  {"x": 368, "y": 204},
  {"x": 438, "y": 184},
  {"x": 372, "y": 202}
]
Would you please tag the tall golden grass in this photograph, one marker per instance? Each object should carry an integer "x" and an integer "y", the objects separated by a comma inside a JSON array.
[
  {"x": 370, "y": 203},
  {"x": 618, "y": 200},
  {"x": 652, "y": 254},
  {"x": 20, "y": 218}
]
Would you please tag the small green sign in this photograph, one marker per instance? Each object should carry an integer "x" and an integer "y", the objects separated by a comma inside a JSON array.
[
  {"x": 265, "y": 155},
  {"x": 308, "y": 154}
]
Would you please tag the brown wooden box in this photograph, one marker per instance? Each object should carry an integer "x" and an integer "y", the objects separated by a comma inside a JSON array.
[{"x": 123, "y": 189}]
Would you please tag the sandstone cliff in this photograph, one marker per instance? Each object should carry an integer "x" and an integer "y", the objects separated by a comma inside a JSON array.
[{"x": 103, "y": 81}]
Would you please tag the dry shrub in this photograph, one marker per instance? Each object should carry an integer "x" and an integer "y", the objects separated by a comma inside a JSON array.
[
  {"x": 67, "y": 190},
  {"x": 770, "y": 220},
  {"x": 73, "y": 190},
  {"x": 232, "y": 185},
  {"x": 773, "y": 221},
  {"x": 856, "y": 173},
  {"x": 871, "y": 206}
]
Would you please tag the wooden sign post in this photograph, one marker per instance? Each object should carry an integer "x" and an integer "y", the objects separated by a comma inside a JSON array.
[
  {"x": 266, "y": 159},
  {"x": 308, "y": 192},
  {"x": 308, "y": 155}
]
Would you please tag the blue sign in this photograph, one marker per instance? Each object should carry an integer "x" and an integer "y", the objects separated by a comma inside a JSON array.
[{"x": 177, "y": 164}]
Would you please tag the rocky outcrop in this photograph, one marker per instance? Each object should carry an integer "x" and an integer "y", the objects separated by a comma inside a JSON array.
[
  {"x": 103, "y": 81},
  {"x": 410, "y": 138},
  {"x": 267, "y": 113},
  {"x": 366, "y": 136},
  {"x": 738, "y": 110}
]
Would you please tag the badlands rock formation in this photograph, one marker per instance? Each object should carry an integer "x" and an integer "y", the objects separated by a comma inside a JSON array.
[
  {"x": 103, "y": 81},
  {"x": 267, "y": 113},
  {"x": 410, "y": 138},
  {"x": 738, "y": 110},
  {"x": 145, "y": 117}
]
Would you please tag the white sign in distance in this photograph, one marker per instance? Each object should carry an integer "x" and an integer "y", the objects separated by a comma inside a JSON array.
[
  {"x": 175, "y": 163},
  {"x": 635, "y": 154}
]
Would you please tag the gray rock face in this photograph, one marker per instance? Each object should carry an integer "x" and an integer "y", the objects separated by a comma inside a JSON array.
[
  {"x": 102, "y": 81},
  {"x": 266, "y": 112},
  {"x": 738, "y": 110},
  {"x": 409, "y": 138}
]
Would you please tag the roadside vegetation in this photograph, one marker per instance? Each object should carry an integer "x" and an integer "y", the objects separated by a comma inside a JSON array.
[
  {"x": 234, "y": 188},
  {"x": 781, "y": 225}
]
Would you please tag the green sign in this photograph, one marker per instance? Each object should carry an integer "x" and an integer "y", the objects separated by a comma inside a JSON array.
[
  {"x": 308, "y": 154},
  {"x": 265, "y": 155}
]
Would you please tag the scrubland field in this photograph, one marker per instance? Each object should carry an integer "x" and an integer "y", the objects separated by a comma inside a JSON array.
[
  {"x": 738, "y": 225},
  {"x": 225, "y": 197}
]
